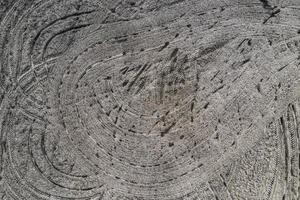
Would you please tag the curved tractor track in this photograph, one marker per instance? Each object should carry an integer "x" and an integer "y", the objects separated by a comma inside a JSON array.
[{"x": 149, "y": 99}]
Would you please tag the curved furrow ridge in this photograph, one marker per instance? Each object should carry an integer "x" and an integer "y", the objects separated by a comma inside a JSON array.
[{"x": 149, "y": 100}]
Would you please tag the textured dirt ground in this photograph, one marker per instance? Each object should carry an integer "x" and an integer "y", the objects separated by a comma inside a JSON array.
[{"x": 149, "y": 99}]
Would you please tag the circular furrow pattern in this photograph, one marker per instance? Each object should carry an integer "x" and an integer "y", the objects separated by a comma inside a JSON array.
[{"x": 151, "y": 100}]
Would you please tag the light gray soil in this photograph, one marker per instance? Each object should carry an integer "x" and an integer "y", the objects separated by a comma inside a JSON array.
[{"x": 149, "y": 99}]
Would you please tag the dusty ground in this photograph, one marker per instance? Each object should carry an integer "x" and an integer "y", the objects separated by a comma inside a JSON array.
[{"x": 149, "y": 99}]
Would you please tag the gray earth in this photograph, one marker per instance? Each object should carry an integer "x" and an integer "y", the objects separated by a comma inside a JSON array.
[{"x": 149, "y": 99}]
